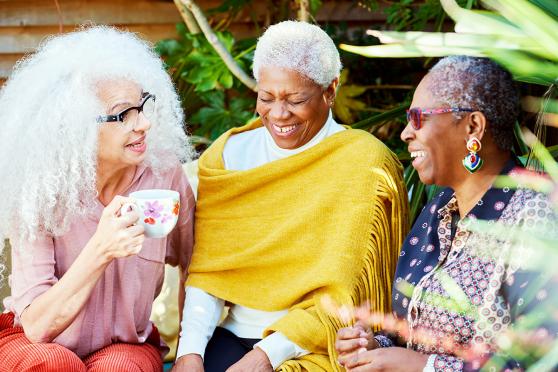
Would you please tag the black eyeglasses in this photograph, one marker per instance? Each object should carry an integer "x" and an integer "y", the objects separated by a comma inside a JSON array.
[
  {"x": 414, "y": 115},
  {"x": 147, "y": 106}
]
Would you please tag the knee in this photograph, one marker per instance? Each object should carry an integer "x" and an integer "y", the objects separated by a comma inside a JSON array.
[
  {"x": 51, "y": 358},
  {"x": 128, "y": 359}
]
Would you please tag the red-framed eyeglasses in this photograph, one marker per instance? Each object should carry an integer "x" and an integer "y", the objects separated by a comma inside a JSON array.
[{"x": 414, "y": 115}]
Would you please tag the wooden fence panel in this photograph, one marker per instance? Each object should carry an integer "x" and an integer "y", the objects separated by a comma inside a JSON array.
[{"x": 24, "y": 24}]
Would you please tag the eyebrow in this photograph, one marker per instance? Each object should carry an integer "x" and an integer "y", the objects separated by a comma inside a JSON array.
[
  {"x": 125, "y": 103},
  {"x": 120, "y": 104},
  {"x": 288, "y": 94}
]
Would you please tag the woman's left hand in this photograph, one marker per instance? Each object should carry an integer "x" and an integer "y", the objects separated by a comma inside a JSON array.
[
  {"x": 256, "y": 360},
  {"x": 384, "y": 359}
]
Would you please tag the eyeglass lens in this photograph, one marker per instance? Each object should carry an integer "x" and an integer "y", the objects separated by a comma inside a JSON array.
[
  {"x": 131, "y": 117},
  {"x": 414, "y": 116}
]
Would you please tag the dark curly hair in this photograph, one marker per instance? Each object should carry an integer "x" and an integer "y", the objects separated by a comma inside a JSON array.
[{"x": 482, "y": 85}]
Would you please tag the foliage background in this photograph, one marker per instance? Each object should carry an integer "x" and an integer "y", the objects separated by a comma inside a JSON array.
[{"x": 373, "y": 94}]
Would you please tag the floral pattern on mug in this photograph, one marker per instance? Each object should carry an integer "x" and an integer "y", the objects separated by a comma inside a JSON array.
[
  {"x": 150, "y": 220},
  {"x": 153, "y": 209}
]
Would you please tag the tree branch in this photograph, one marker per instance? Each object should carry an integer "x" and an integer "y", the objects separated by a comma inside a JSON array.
[
  {"x": 304, "y": 11},
  {"x": 188, "y": 18},
  {"x": 218, "y": 46}
]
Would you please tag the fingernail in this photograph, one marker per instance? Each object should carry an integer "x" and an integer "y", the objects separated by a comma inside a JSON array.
[
  {"x": 362, "y": 334},
  {"x": 361, "y": 350},
  {"x": 363, "y": 342}
]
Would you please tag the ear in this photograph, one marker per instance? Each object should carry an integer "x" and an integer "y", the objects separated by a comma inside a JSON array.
[
  {"x": 476, "y": 125},
  {"x": 331, "y": 90}
]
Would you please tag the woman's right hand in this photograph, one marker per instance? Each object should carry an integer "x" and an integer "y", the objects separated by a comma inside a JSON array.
[
  {"x": 352, "y": 339},
  {"x": 188, "y": 363},
  {"x": 117, "y": 235}
]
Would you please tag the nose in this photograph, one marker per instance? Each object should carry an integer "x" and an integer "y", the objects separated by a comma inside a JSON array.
[
  {"x": 143, "y": 124},
  {"x": 408, "y": 133},
  {"x": 278, "y": 111}
]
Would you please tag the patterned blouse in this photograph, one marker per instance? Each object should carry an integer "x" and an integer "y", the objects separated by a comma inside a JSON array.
[{"x": 467, "y": 287}]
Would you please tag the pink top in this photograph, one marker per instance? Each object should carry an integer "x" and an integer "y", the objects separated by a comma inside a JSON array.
[{"x": 120, "y": 304}]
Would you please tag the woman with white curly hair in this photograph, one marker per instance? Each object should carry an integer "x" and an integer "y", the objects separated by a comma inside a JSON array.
[
  {"x": 291, "y": 208},
  {"x": 81, "y": 131}
]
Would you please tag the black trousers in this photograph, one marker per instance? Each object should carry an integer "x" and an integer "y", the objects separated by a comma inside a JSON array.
[{"x": 225, "y": 349}]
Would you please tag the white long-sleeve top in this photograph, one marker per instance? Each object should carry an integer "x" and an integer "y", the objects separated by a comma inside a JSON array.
[{"x": 202, "y": 311}]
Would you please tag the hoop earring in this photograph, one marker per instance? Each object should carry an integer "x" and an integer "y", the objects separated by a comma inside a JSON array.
[{"x": 473, "y": 161}]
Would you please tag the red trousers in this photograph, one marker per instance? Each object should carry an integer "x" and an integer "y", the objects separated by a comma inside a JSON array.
[{"x": 17, "y": 353}]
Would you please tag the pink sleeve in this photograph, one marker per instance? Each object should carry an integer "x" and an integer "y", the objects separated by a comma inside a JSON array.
[
  {"x": 181, "y": 239},
  {"x": 33, "y": 272}
]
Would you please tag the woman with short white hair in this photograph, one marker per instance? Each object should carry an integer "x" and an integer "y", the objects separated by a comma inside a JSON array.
[
  {"x": 291, "y": 208},
  {"x": 80, "y": 132}
]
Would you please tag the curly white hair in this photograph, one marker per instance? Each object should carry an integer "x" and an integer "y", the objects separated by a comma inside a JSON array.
[
  {"x": 48, "y": 141},
  {"x": 298, "y": 46}
]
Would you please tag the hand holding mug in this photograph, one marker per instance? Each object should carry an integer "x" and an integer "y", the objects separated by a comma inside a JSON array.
[{"x": 118, "y": 235}]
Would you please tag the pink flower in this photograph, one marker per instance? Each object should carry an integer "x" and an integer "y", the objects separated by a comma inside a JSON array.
[{"x": 153, "y": 209}]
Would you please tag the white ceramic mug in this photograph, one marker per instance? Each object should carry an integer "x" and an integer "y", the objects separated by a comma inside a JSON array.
[{"x": 158, "y": 210}]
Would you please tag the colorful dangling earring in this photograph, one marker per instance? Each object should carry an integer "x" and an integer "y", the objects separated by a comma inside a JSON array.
[{"x": 473, "y": 161}]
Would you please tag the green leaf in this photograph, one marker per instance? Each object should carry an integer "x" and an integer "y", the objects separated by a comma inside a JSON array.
[
  {"x": 221, "y": 115},
  {"x": 346, "y": 105},
  {"x": 549, "y": 6},
  {"x": 542, "y": 28},
  {"x": 226, "y": 79},
  {"x": 478, "y": 21},
  {"x": 227, "y": 39},
  {"x": 379, "y": 119},
  {"x": 409, "y": 50},
  {"x": 526, "y": 67},
  {"x": 315, "y": 5},
  {"x": 461, "y": 40}
]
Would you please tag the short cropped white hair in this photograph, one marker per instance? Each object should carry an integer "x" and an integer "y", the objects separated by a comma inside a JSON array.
[
  {"x": 298, "y": 46},
  {"x": 49, "y": 133}
]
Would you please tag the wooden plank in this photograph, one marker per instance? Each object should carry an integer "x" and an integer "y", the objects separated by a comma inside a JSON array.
[
  {"x": 44, "y": 13},
  {"x": 337, "y": 12},
  {"x": 7, "y": 62},
  {"x": 17, "y": 40}
]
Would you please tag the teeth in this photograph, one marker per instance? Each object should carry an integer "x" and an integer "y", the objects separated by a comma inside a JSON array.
[
  {"x": 284, "y": 129},
  {"x": 416, "y": 154}
]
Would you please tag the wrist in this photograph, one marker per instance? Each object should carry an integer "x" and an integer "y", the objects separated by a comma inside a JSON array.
[
  {"x": 262, "y": 355},
  {"x": 189, "y": 357},
  {"x": 95, "y": 253}
]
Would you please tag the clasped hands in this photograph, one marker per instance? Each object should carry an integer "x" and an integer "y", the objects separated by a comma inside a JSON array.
[
  {"x": 359, "y": 352},
  {"x": 256, "y": 360}
]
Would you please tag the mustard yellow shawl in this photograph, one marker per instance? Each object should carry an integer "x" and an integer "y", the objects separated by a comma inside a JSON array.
[{"x": 329, "y": 220}]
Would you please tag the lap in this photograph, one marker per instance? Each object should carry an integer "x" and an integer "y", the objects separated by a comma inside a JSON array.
[
  {"x": 125, "y": 357},
  {"x": 17, "y": 353},
  {"x": 225, "y": 349}
]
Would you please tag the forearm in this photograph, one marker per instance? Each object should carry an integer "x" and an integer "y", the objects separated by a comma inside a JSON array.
[
  {"x": 279, "y": 349},
  {"x": 53, "y": 311},
  {"x": 200, "y": 317},
  {"x": 181, "y": 291}
]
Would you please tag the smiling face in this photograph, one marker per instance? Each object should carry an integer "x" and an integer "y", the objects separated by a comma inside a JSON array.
[
  {"x": 293, "y": 108},
  {"x": 439, "y": 146},
  {"x": 121, "y": 144}
]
